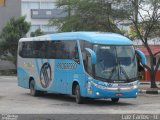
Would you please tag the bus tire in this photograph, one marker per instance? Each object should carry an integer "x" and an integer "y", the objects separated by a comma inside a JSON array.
[
  {"x": 115, "y": 100},
  {"x": 79, "y": 99},
  {"x": 33, "y": 91}
]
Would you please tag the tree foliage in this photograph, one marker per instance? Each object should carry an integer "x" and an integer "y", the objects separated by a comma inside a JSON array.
[
  {"x": 154, "y": 33},
  {"x": 90, "y": 15},
  {"x": 133, "y": 33},
  {"x": 103, "y": 15},
  {"x": 149, "y": 18},
  {"x": 38, "y": 32},
  {"x": 15, "y": 29}
]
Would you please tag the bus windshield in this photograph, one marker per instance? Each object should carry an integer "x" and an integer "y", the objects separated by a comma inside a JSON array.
[{"x": 115, "y": 63}]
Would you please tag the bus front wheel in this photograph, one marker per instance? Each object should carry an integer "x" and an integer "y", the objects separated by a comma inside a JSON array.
[
  {"x": 78, "y": 96},
  {"x": 115, "y": 100},
  {"x": 33, "y": 91}
]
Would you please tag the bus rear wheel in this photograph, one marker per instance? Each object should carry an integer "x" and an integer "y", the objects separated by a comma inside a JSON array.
[
  {"x": 33, "y": 91},
  {"x": 115, "y": 100},
  {"x": 78, "y": 96}
]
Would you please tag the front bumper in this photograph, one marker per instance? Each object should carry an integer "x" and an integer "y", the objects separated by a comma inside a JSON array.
[{"x": 108, "y": 92}]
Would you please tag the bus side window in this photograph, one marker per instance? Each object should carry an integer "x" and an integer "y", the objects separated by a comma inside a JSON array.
[
  {"x": 43, "y": 50},
  {"x": 51, "y": 52},
  {"x": 26, "y": 50},
  {"x": 59, "y": 50},
  {"x": 35, "y": 50},
  {"x": 83, "y": 45},
  {"x": 76, "y": 54},
  {"x": 84, "y": 56},
  {"x": 67, "y": 50},
  {"x": 20, "y": 49}
]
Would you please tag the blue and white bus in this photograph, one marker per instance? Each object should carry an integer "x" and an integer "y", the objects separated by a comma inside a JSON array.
[{"x": 82, "y": 64}]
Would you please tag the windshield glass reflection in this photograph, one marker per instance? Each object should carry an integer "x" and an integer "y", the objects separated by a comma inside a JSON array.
[{"x": 115, "y": 62}]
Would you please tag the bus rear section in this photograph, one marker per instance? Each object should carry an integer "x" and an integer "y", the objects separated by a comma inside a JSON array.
[{"x": 50, "y": 66}]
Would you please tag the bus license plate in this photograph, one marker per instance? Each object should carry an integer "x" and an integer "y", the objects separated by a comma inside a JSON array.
[{"x": 119, "y": 94}]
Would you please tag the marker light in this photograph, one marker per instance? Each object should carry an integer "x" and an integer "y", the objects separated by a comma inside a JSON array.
[{"x": 97, "y": 93}]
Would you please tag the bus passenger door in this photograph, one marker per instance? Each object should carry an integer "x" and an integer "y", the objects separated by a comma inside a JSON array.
[
  {"x": 60, "y": 77},
  {"x": 66, "y": 65},
  {"x": 68, "y": 71}
]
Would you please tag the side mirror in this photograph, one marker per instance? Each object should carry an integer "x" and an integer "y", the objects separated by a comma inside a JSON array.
[
  {"x": 142, "y": 57},
  {"x": 92, "y": 54}
]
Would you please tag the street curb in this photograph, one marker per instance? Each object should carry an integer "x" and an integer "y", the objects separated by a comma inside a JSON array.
[
  {"x": 144, "y": 83},
  {"x": 149, "y": 91}
]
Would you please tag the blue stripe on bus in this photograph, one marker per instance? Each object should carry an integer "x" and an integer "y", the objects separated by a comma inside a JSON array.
[
  {"x": 42, "y": 61},
  {"x": 48, "y": 60},
  {"x": 37, "y": 66}
]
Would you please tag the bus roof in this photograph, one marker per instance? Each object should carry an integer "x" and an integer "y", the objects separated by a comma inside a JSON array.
[{"x": 93, "y": 37}]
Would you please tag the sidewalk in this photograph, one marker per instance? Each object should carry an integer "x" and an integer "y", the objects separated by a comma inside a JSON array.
[{"x": 144, "y": 87}]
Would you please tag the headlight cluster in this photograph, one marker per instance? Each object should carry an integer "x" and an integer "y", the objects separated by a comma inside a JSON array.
[
  {"x": 98, "y": 86},
  {"x": 113, "y": 88}
]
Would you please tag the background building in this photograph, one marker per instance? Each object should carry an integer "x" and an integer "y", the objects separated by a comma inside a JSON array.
[
  {"x": 8, "y": 9},
  {"x": 38, "y": 13}
]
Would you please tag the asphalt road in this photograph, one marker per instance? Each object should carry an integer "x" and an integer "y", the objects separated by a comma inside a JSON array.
[{"x": 16, "y": 100}]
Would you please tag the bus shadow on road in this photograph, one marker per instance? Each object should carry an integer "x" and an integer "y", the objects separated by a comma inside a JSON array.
[
  {"x": 53, "y": 96},
  {"x": 87, "y": 101},
  {"x": 106, "y": 102},
  {"x": 60, "y": 97}
]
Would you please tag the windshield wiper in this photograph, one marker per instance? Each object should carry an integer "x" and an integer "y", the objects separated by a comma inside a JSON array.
[
  {"x": 120, "y": 68},
  {"x": 112, "y": 72},
  {"x": 126, "y": 75}
]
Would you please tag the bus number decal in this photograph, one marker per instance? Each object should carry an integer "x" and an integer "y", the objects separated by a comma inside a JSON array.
[{"x": 66, "y": 65}]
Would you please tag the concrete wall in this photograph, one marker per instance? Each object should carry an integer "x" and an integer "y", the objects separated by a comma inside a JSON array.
[
  {"x": 12, "y": 8},
  {"x": 6, "y": 65}
]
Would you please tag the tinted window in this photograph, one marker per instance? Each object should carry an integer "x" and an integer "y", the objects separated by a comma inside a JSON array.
[
  {"x": 49, "y": 49},
  {"x": 25, "y": 49},
  {"x": 66, "y": 50},
  {"x": 83, "y": 45},
  {"x": 39, "y": 49}
]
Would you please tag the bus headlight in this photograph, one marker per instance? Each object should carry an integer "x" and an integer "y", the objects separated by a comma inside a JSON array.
[
  {"x": 98, "y": 86},
  {"x": 135, "y": 86}
]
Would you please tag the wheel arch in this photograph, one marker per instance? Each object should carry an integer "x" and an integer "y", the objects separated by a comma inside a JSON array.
[
  {"x": 74, "y": 84},
  {"x": 30, "y": 79}
]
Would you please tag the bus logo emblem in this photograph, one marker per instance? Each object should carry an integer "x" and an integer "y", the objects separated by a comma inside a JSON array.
[{"x": 45, "y": 75}]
